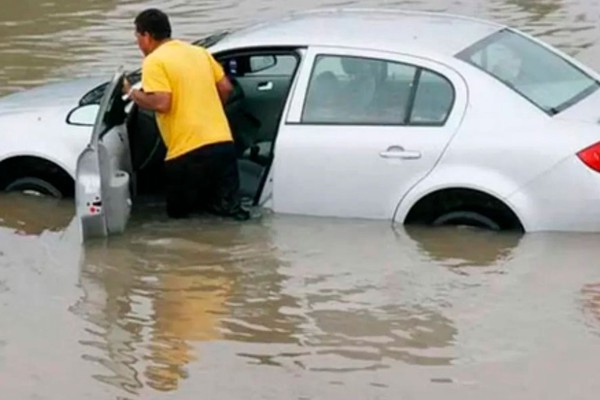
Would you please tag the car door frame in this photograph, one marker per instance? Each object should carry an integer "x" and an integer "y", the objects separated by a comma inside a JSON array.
[
  {"x": 264, "y": 192},
  {"x": 298, "y": 97},
  {"x": 259, "y": 78}
]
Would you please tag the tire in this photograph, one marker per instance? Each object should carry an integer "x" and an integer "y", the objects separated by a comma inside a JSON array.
[
  {"x": 35, "y": 186},
  {"x": 468, "y": 218}
]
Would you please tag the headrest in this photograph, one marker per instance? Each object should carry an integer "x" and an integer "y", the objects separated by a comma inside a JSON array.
[{"x": 353, "y": 66}]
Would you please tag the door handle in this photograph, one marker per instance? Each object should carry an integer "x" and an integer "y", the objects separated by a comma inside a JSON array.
[
  {"x": 400, "y": 153},
  {"x": 265, "y": 86}
]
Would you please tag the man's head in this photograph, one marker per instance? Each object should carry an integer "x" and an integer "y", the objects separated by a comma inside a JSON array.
[{"x": 152, "y": 28}]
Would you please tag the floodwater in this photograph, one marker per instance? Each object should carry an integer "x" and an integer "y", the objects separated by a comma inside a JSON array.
[{"x": 282, "y": 307}]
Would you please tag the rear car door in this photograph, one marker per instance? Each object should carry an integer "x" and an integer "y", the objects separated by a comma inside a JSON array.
[
  {"x": 103, "y": 176},
  {"x": 362, "y": 129}
]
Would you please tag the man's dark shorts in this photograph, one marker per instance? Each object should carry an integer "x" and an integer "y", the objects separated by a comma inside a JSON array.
[{"x": 204, "y": 180}]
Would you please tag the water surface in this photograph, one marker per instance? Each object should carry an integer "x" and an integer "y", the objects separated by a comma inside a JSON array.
[{"x": 282, "y": 307}]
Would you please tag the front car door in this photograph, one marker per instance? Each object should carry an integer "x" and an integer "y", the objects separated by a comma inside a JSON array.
[
  {"x": 363, "y": 127},
  {"x": 262, "y": 78},
  {"x": 103, "y": 176},
  {"x": 265, "y": 77}
]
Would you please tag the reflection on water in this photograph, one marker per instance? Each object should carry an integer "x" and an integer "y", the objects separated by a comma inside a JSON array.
[
  {"x": 153, "y": 295},
  {"x": 172, "y": 306},
  {"x": 591, "y": 304},
  {"x": 148, "y": 298},
  {"x": 465, "y": 247},
  {"x": 29, "y": 215}
]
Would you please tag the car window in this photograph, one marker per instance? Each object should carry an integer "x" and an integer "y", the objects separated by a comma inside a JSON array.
[
  {"x": 352, "y": 90},
  {"x": 260, "y": 65},
  {"x": 543, "y": 77},
  {"x": 363, "y": 91},
  {"x": 433, "y": 100}
]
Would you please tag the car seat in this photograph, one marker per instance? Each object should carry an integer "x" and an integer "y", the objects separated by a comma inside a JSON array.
[
  {"x": 362, "y": 86},
  {"x": 323, "y": 98}
]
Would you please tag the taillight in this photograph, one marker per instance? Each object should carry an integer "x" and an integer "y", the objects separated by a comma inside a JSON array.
[{"x": 591, "y": 157}]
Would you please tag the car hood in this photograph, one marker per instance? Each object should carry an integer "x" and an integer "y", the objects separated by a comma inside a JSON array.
[{"x": 55, "y": 95}]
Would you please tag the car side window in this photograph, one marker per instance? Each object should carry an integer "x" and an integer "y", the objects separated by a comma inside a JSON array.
[
  {"x": 358, "y": 91},
  {"x": 434, "y": 99},
  {"x": 348, "y": 90}
]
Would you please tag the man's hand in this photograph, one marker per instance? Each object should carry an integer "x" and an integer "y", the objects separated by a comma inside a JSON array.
[{"x": 126, "y": 87}]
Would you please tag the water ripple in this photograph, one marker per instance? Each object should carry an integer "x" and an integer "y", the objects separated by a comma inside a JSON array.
[{"x": 94, "y": 37}]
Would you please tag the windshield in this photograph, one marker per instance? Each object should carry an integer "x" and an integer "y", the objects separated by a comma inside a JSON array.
[{"x": 543, "y": 77}]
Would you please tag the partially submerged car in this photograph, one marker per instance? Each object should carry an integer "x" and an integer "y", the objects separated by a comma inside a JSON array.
[{"x": 413, "y": 117}]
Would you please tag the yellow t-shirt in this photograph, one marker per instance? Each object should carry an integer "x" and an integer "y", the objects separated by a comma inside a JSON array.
[{"x": 190, "y": 74}]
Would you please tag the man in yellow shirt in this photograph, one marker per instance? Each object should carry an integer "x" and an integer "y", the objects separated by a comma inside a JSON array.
[{"x": 187, "y": 88}]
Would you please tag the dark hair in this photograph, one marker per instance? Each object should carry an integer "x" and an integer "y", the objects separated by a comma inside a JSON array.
[{"x": 155, "y": 23}]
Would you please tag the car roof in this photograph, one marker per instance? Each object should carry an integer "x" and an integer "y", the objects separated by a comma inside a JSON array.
[{"x": 420, "y": 33}]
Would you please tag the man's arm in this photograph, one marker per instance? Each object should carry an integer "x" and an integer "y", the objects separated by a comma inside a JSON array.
[
  {"x": 224, "y": 87},
  {"x": 157, "y": 101},
  {"x": 156, "y": 95}
]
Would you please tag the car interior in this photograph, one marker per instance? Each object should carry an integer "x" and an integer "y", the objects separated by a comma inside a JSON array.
[{"x": 261, "y": 82}]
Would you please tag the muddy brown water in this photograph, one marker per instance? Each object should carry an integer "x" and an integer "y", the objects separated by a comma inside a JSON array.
[{"x": 282, "y": 307}]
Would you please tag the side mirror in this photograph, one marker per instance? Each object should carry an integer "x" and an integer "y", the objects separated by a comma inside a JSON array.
[{"x": 83, "y": 115}]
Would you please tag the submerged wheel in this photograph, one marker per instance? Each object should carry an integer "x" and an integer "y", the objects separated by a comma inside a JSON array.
[
  {"x": 34, "y": 186},
  {"x": 465, "y": 207},
  {"x": 35, "y": 176},
  {"x": 468, "y": 218}
]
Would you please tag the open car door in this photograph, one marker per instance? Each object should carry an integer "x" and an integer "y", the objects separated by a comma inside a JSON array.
[{"x": 103, "y": 184}]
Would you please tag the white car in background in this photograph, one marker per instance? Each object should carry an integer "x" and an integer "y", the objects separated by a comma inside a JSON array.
[{"x": 414, "y": 117}]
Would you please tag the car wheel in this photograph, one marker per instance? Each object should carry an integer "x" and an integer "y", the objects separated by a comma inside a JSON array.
[
  {"x": 34, "y": 186},
  {"x": 468, "y": 218}
]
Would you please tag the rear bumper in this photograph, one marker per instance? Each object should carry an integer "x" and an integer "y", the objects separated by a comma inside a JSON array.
[{"x": 566, "y": 198}]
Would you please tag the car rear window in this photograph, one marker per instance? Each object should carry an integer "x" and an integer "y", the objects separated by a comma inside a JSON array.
[{"x": 542, "y": 76}]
